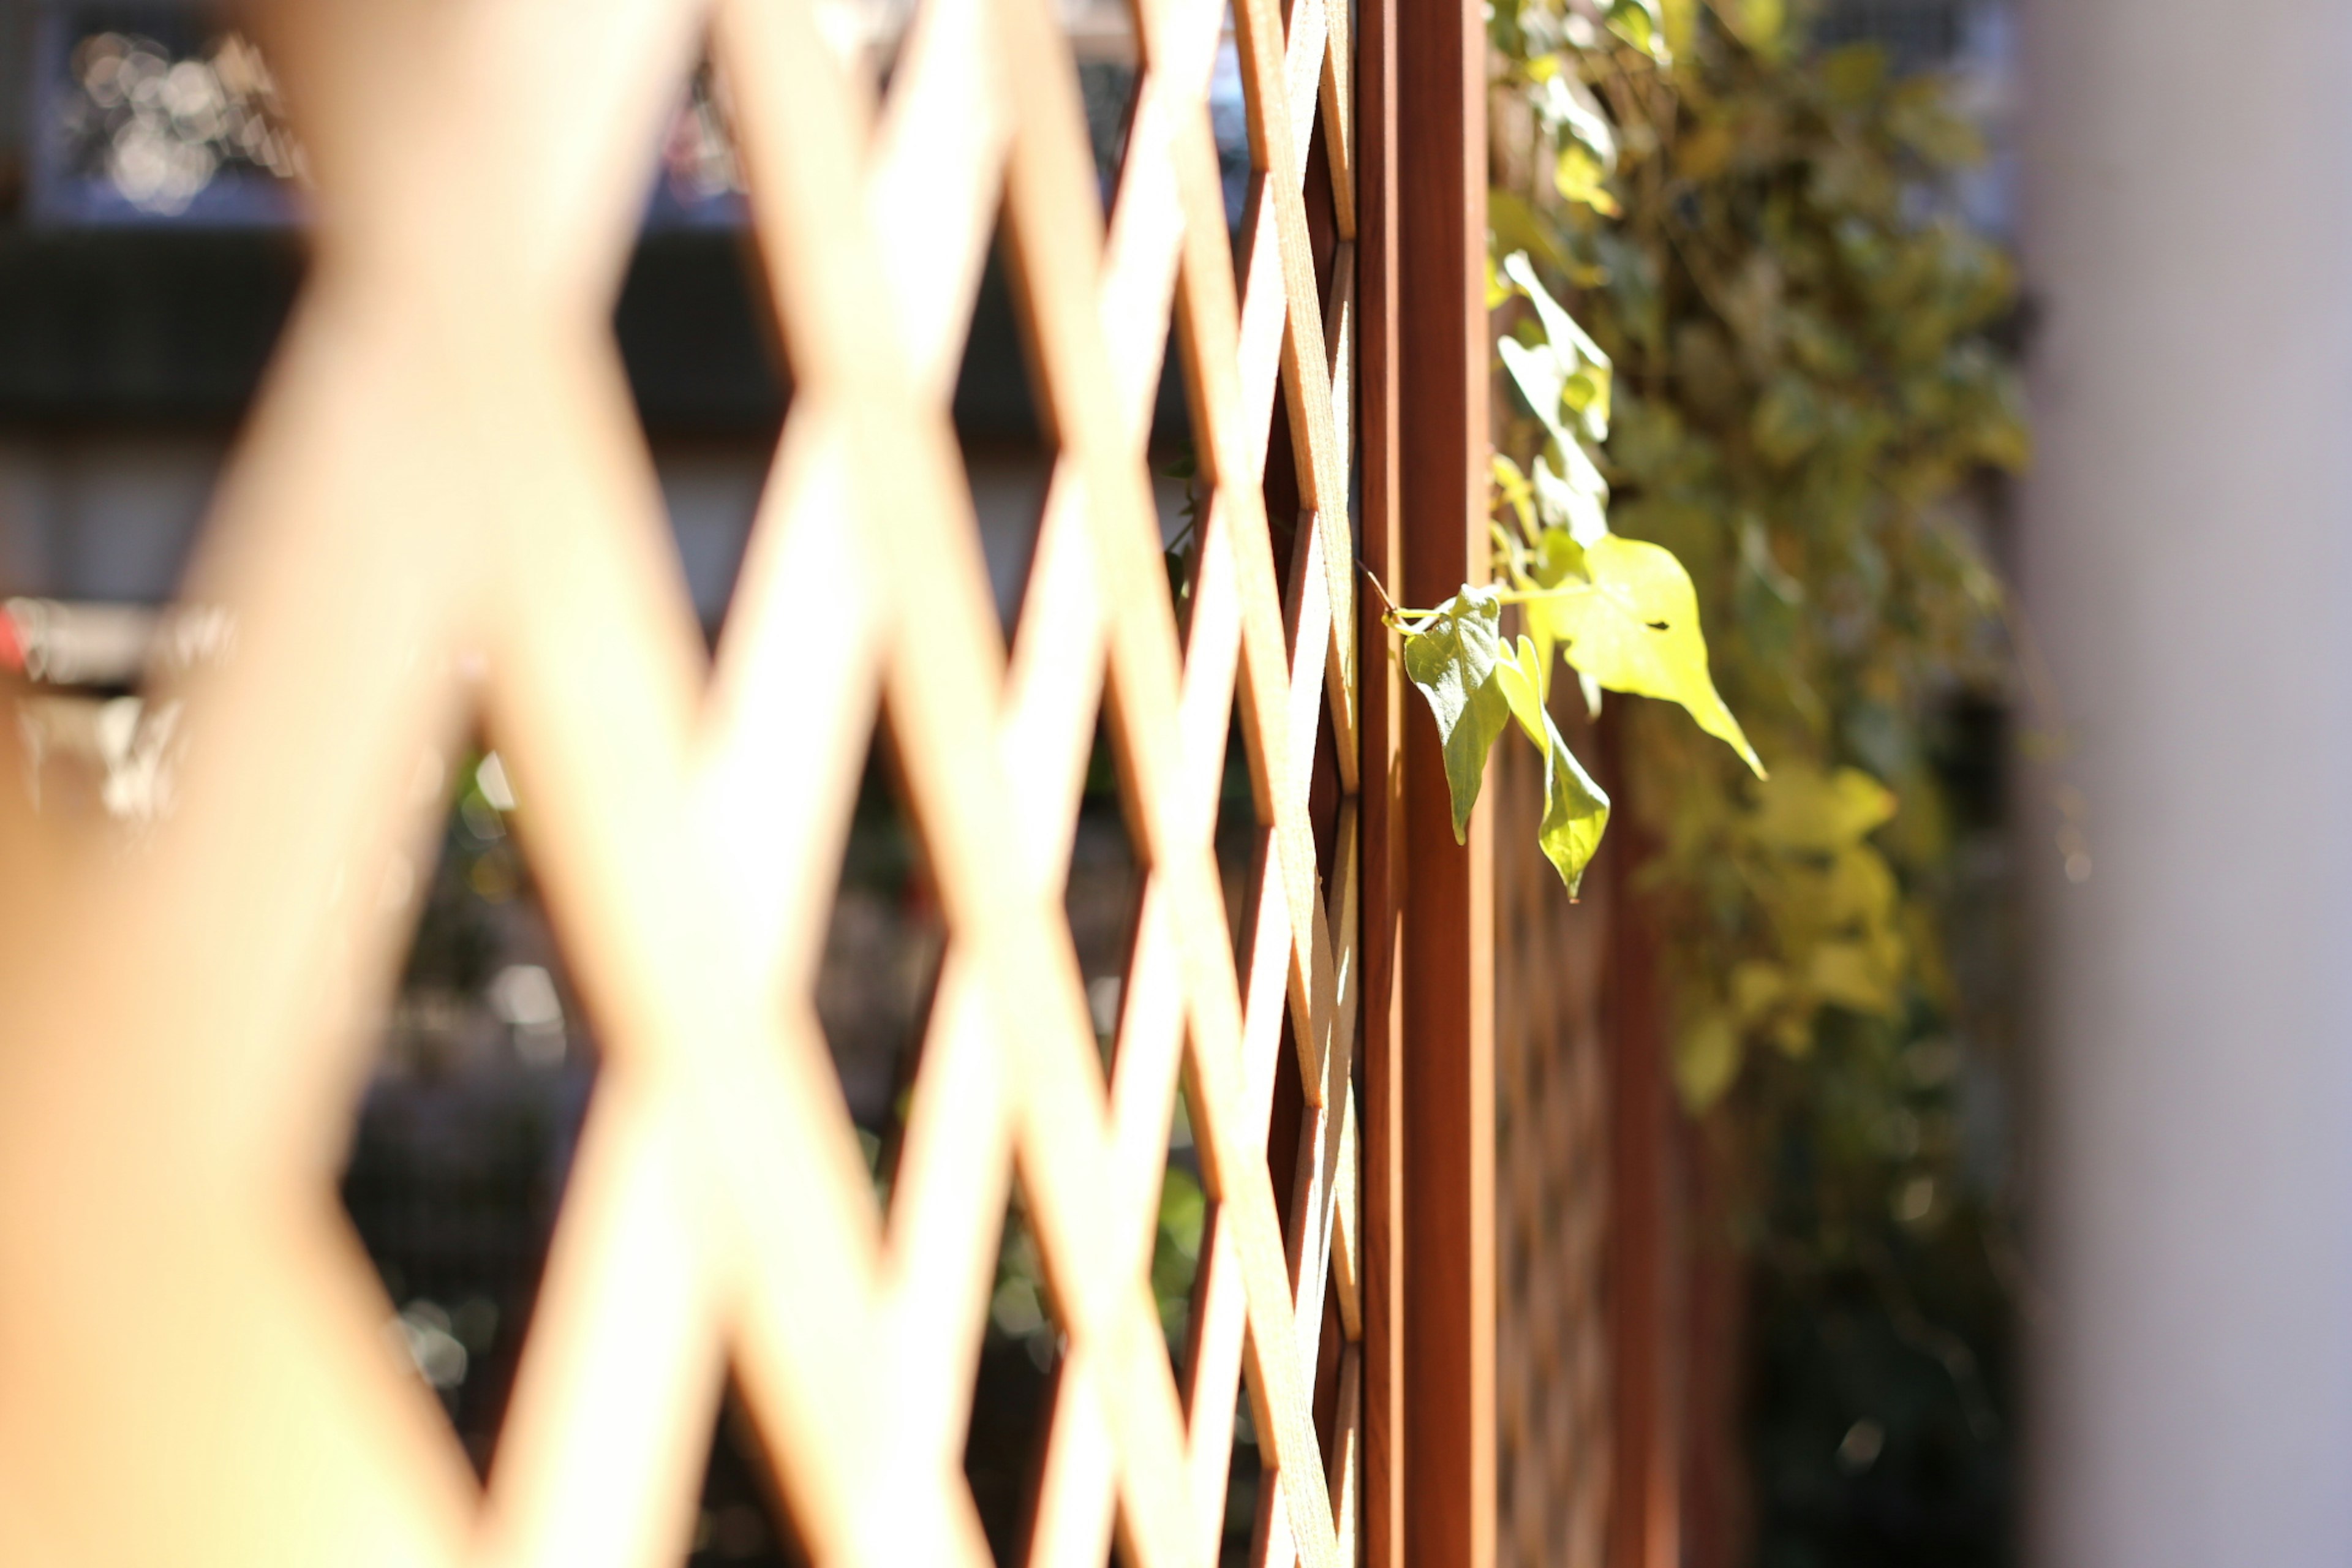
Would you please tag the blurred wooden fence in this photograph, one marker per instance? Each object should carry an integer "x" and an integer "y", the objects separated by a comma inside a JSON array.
[{"x": 443, "y": 516}]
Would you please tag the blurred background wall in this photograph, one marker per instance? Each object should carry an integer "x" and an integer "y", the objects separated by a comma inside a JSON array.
[{"x": 2187, "y": 542}]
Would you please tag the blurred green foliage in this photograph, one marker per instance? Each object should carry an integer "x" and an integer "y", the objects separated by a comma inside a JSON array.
[{"x": 1811, "y": 400}]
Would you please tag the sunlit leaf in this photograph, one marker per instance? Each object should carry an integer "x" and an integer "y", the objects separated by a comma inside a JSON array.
[
  {"x": 1576, "y": 502},
  {"x": 1707, "y": 1059},
  {"x": 1513, "y": 491},
  {"x": 1538, "y": 376},
  {"x": 1577, "y": 174},
  {"x": 1633, "y": 627},
  {"x": 1678, "y": 18},
  {"x": 1584, "y": 371},
  {"x": 1639, "y": 24},
  {"x": 1861, "y": 887},
  {"x": 1852, "y": 974},
  {"x": 1556, "y": 558},
  {"x": 1806, "y": 811},
  {"x": 1571, "y": 114},
  {"x": 1761, "y": 25},
  {"x": 1758, "y": 986},
  {"x": 1575, "y": 811},
  {"x": 1854, "y": 73},
  {"x": 1451, "y": 656}
]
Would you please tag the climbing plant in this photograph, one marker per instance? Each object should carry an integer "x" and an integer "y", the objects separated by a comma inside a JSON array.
[
  {"x": 1740, "y": 264},
  {"x": 1622, "y": 613},
  {"x": 1775, "y": 354}
]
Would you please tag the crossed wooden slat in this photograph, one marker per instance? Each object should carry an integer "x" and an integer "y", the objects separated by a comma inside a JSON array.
[{"x": 447, "y": 461}]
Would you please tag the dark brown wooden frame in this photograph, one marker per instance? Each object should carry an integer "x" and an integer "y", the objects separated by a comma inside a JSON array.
[{"x": 1429, "y": 1041}]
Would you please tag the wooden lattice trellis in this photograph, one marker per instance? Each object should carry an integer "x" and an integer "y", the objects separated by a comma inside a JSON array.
[
  {"x": 1552, "y": 1196},
  {"x": 442, "y": 514}
]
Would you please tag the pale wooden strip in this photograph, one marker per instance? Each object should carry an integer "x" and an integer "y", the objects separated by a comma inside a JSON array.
[
  {"x": 1318, "y": 1191},
  {"x": 1347, "y": 1458},
  {"x": 1346, "y": 1244},
  {"x": 1271, "y": 1542},
  {"x": 1305, "y": 47},
  {"x": 630, "y": 897},
  {"x": 780, "y": 795},
  {"x": 1338, "y": 545},
  {"x": 947, "y": 1217},
  {"x": 1306, "y": 614},
  {"x": 935, "y": 181},
  {"x": 1262, "y": 327},
  {"x": 1206, "y": 286},
  {"x": 947, "y": 635},
  {"x": 227, "y": 1064},
  {"x": 1306, "y": 369},
  {"x": 439, "y": 170},
  {"x": 1236, "y": 1173},
  {"x": 1340, "y": 126},
  {"x": 1076, "y": 1504},
  {"x": 664, "y": 975},
  {"x": 1288, "y": 1428},
  {"x": 600, "y": 1454}
]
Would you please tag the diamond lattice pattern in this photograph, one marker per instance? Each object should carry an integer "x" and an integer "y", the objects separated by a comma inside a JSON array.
[{"x": 444, "y": 515}]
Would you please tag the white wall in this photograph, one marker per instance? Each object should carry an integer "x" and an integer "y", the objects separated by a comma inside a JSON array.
[{"x": 2188, "y": 563}]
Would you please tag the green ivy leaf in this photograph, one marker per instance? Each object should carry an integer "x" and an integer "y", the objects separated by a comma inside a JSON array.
[
  {"x": 1452, "y": 657},
  {"x": 1584, "y": 372},
  {"x": 1575, "y": 811},
  {"x": 1576, "y": 175},
  {"x": 1633, "y": 627},
  {"x": 1804, "y": 811},
  {"x": 1577, "y": 501},
  {"x": 1512, "y": 488},
  {"x": 1556, "y": 558},
  {"x": 1760, "y": 25},
  {"x": 1570, "y": 112},
  {"x": 1679, "y": 18},
  {"x": 1639, "y": 24},
  {"x": 1707, "y": 1059}
]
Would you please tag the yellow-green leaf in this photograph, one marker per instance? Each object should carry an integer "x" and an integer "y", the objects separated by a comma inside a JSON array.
[
  {"x": 1758, "y": 22},
  {"x": 1758, "y": 987},
  {"x": 1575, "y": 500},
  {"x": 1808, "y": 812},
  {"x": 1707, "y": 1059},
  {"x": 1556, "y": 559},
  {"x": 1633, "y": 627},
  {"x": 1452, "y": 657},
  {"x": 1680, "y": 17},
  {"x": 1575, "y": 811},
  {"x": 1584, "y": 371},
  {"x": 1638, "y": 23},
  {"x": 1855, "y": 974},
  {"x": 1512, "y": 488},
  {"x": 1570, "y": 112},
  {"x": 1577, "y": 175}
]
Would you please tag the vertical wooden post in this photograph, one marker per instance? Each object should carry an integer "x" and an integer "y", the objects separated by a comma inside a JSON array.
[
  {"x": 1381, "y": 699},
  {"x": 1645, "y": 1500},
  {"x": 1448, "y": 1077}
]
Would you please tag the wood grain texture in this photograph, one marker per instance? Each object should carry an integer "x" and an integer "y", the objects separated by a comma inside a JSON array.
[
  {"x": 1448, "y": 900},
  {"x": 449, "y": 400}
]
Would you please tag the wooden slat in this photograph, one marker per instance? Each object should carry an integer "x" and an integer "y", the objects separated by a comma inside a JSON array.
[
  {"x": 450, "y": 397},
  {"x": 1448, "y": 1084},
  {"x": 1381, "y": 713}
]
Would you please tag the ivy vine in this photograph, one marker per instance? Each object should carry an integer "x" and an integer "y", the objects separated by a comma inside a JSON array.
[
  {"x": 1778, "y": 360},
  {"x": 1750, "y": 261}
]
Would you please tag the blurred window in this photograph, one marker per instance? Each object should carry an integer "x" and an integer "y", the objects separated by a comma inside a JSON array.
[{"x": 154, "y": 111}]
